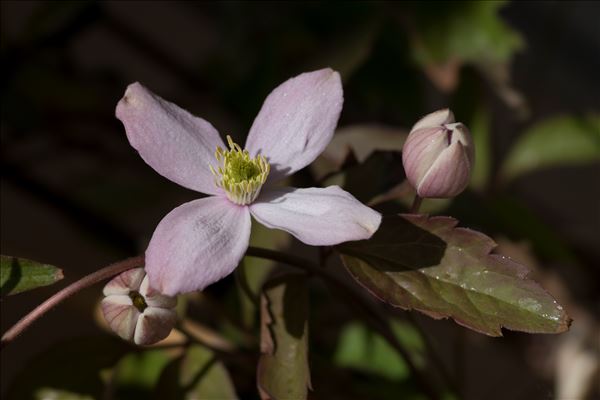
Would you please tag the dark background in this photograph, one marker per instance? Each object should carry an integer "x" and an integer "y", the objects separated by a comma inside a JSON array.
[{"x": 76, "y": 195}]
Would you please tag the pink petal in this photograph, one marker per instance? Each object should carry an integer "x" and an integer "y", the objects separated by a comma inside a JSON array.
[
  {"x": 449, "y": 175},
  {"x": 154, "y": 325},
  {"x": 197, "y": 244},
  {"x": 297, "y": 121},
  {"x": 176, "y": 144},
  {"x": 316, "y": 216},
  {"x": 120, "y": 315},
  {"x": 125, "y": 282},
  {"x": 436, "y": 118},
  {"x": 154, "y": 298},
  {"x": 420, "y": 151}
]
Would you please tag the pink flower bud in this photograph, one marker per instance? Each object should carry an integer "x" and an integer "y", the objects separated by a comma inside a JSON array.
[
  {"x": 438, "y": 155},
  {"x": 135, "y": 311}
]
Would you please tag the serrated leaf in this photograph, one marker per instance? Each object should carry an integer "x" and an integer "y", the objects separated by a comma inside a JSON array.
[
  {"x": 197, "y": 375},
  {"x": 427, "y": 264},
  {"x": 554, "y": 142},
  {"x": 19, "y": 275},
  {"x": 283, "y": 371}
]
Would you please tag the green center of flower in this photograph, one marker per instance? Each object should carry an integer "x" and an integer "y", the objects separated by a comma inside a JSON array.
[
  {"x": 138, "y": 300},
  {"x": 239, "y": 175}
]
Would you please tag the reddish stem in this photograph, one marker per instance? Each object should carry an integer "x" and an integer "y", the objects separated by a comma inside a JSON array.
[{"x": 67, "y": 292}]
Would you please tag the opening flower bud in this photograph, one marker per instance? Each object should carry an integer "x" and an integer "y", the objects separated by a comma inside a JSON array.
[
  {"x": 135, "y": 311},
  {"x": 438, "y": 156}
]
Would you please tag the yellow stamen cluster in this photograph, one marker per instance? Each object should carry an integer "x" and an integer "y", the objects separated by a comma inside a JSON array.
[{"x": 239, "y": 175}]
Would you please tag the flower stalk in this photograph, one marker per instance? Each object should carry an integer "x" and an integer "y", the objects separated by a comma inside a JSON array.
[{"x": 87, "y": 281}]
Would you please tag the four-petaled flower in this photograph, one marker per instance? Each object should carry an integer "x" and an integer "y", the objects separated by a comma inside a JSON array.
[
  {"x": 135, "y": 311},
  {"x": 202, "y": 241}
]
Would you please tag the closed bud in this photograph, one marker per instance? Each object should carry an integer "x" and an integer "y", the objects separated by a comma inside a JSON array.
[
  {"x": 135, "y": 311},
  {"x": 438, "y": 156}
]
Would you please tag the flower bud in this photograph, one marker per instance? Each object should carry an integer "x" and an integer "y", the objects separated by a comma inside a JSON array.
[
  {"x": 438, "y": 155},
  {"x": 135, "y": 311}
]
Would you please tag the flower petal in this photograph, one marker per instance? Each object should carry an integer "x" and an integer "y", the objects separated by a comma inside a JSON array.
[
  {"x": 420, "y": 151},
  {"x": 154, "y": 298},
  {"x": 154, "y": 325},
  {"x": 435, "y": 119},
  {"x": 441, "y": 181},
  {"x": 316, "y": 216},
  {"x": 197, "y": 244},
  {"x": 120, "y": 314},
  {"x": 176, "y": 144},
  {"x": 125, "y": 282},
  {"x": 297, "y": 121}
]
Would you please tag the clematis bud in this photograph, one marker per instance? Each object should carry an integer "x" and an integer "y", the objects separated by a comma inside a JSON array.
[
  {"x": 135, "y": 311},
  {"x": 438, "y": 155}
]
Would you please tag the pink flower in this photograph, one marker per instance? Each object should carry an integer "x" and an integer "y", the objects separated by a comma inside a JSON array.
[
  {"x": 438, "y": 156},
  {"x": 203, "y": 241},
  {"x": 135, "y": 311}
]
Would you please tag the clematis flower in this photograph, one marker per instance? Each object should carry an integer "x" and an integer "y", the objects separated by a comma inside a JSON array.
[
  {"x": 135, "y": 311},
  {"x": 203, "y": 241}
]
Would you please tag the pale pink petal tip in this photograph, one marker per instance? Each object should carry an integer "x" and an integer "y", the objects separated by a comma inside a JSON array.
[
  {"x": 197, "y": 244},
  {"x": 297, "y": 121},
  {"x": 435, "y": 119}
]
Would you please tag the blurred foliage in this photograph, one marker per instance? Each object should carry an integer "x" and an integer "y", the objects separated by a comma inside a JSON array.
[
  {"x": 364, "y": 350},
  {"x": 467, "y": 30},
  {"x": 196, "y": 375},
  {"x": 72, "y": 366},
  {"x": 558, "y": 141},
  {"x": 135, "y": 376},
  {"x": 53, "y": 394}
]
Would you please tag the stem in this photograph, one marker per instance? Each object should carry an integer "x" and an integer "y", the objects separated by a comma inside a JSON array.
[
  {"x": 416, "y": 204},
  {"x": 67, "y": 292},
  {"x": 371, "y": 313}
]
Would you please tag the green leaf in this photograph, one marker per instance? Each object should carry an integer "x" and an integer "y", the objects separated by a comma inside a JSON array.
[
  {"x": 136, "y": 374},
  {"x": 470, "y": 31},
  {"x": 283, "y": 371},
  {"x": 427, "y": 264},
  {"x": 362, "y": 349},
  {"x": 20, "y": 275},
  {"x": 196, "y": 375},
  {"x": 554, "y": 142},
  {"x": 72, "y": 366}
]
